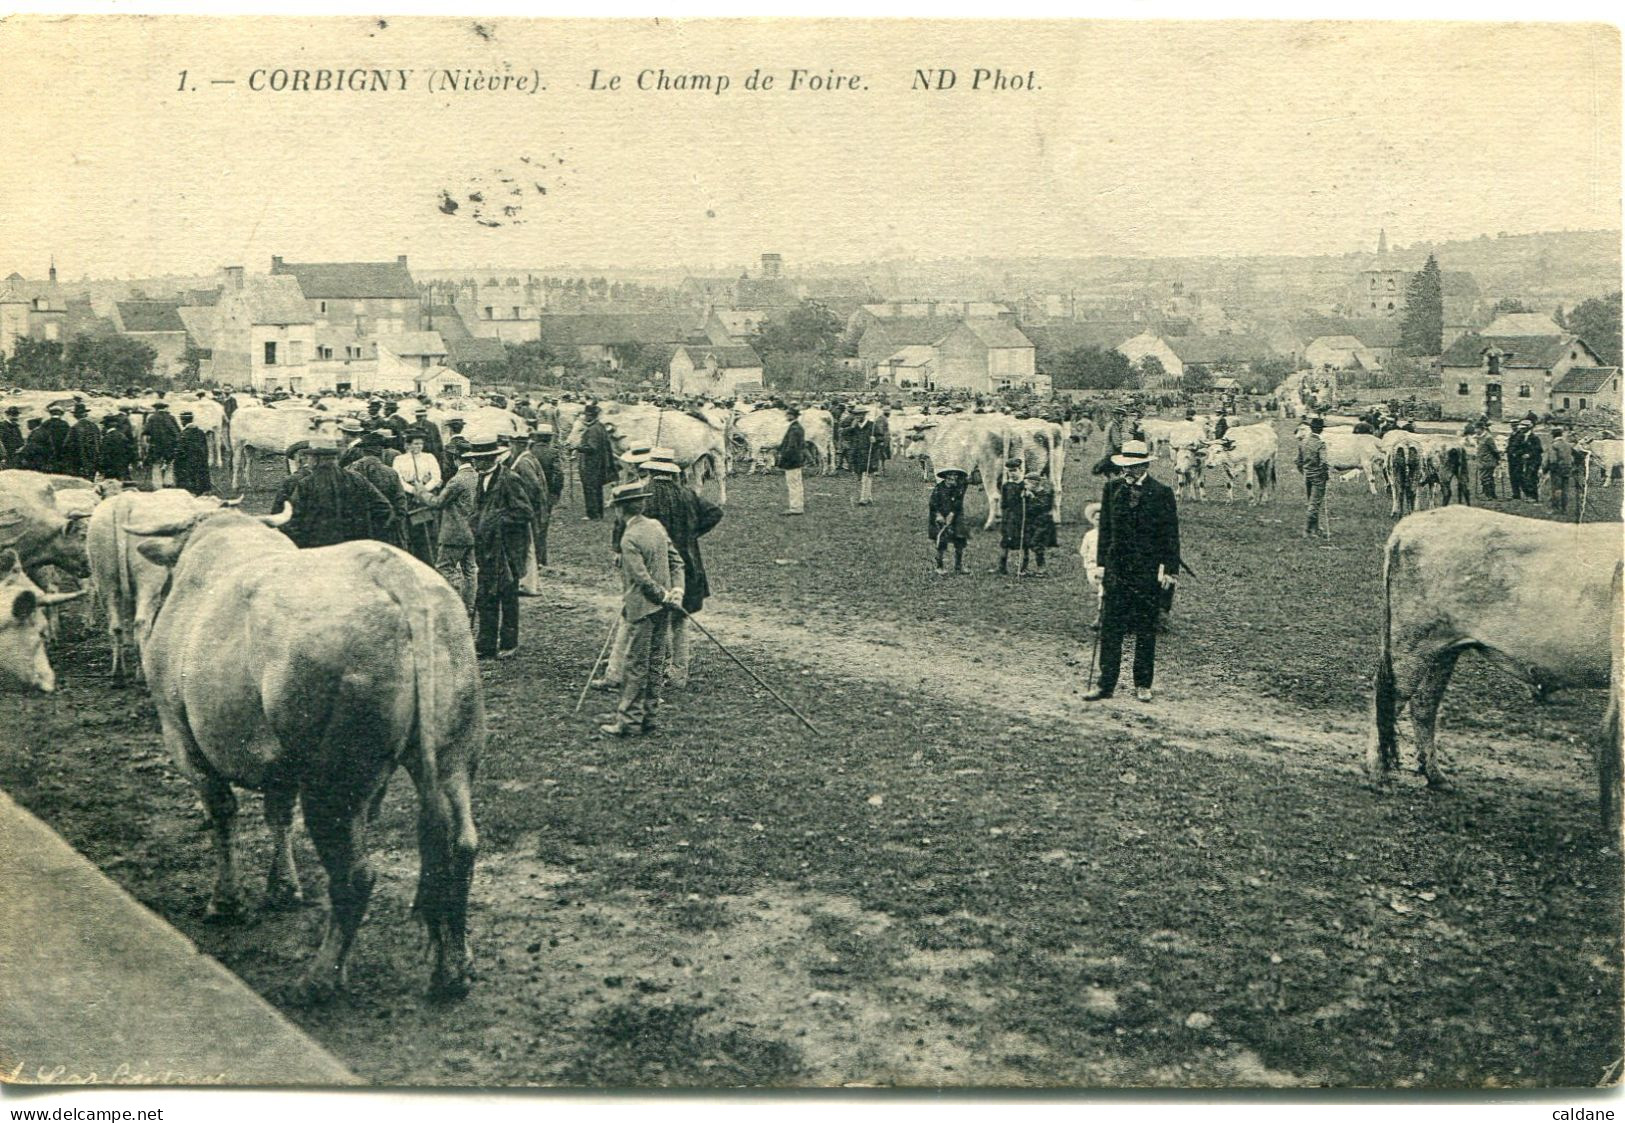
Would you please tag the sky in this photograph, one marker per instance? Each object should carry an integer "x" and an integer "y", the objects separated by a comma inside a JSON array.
[{"x": 1141, "y": 138}]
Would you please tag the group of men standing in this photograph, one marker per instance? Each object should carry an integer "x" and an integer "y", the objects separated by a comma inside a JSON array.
[{"x": 174, "y": 449}]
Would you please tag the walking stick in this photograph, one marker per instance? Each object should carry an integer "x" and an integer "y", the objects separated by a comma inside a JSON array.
[
  {"x": 581, "y": 700},
  {"x": 754, "y": 676}
]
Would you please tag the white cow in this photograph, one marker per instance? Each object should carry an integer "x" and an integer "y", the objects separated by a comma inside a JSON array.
[
  {"x": 256, "y": 430},
  {"x": 1042, "y": 447},
  {"x": 974, "y": 442},
  {"x": 1251, "y": 455},
  {"x": 1348, "y": 451},
  {"x": 700, "y": 446},
  {"x": 127, "y": 585},
  {"x": 1606, "y": 454}
]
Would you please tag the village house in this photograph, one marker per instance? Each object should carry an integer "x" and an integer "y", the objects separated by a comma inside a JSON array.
[
  {"x": 158, "y": 324},
  {"x": 265, "y": 335},
  {"x": 913, "y": 367},
  {"x": 463, "y": 347},
  {"x": 1586, "y": 388},
  {"x": 1151, "y": 343},
  {"x": 506, "y": 313},
  {"x": 729, "y": 327},
  {"x": 352, "y": 303},
  {"x": 607, "y": 338},
  {"x": 715, "y": 371},
  {"x": 1511, "y": 375},
  {"x": 404, "y": 361},
  {"x": 31, "y": 310},
  {"x": 1340, "y": 352}
]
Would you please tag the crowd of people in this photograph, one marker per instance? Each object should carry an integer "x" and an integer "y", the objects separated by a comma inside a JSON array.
[{"x": 171, "y": 447}]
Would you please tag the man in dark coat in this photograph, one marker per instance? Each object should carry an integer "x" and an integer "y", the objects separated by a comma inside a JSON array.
[
  {"x": 117, "y": 450},
  {"x": 1559, "y": 469},
  {"x": 192, "y": 458},
  {"x": 945, "y": 521},
  {"x": 1488, "y": 457},
  {"x": 862, "y": 451},
  {"x": 432, "y": 442},
  {"x": 163, "y": 439},
  {"x": 687, "y": 516},
  {"x": 382, "y": 477},
  {"x": 1139, "y": 551},
  {"x": 792, "y": 456},
  {"x": 85, "y": 440},
  {"x": 330, "y": 504},
  {"x": 596, "y": 460},
  {"x": 11, "y": 435},
  {"x": 451, "y": 458},
  {"x": 1316, "y": 473},
  {"x": 502, "y": 514},
  {"x": 35, "y": 455},
  {"x": 547, "y": 457},
  {"x": 57, "y": 439}
]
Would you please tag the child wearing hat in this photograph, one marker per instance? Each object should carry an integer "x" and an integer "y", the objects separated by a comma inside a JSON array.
[
  {"x": 946, "y": 524},
  {"x": 1089, "y": 554},
  {"x": 1011, "y": 512},
  {"x": 1037, "y": 522}
]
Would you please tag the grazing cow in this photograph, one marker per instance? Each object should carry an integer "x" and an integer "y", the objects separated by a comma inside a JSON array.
[
  {"x": 314, "y": 674},
  {"x": 257, "y": 430},
  {"x": 1251, "y": 455},
  {"x": 1540, "y": 599},
  {"x": 975, "y": 442},
  {"x": 24, "y": 664},
  {"x": 127, "y": 585},
  {"x": 1190, "y": 471},
  {"x": 1159, "y": 435},
  {"x": 701, "y": 447},
  {"x": 1348, "y": 451}
]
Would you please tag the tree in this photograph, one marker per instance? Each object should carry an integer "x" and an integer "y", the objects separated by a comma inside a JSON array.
[
  {"x": 1195, "y": 379},
  {"x": 1091, "y": 368},
  {"x": 1264, "y": 375},
  {"x": 1151, "y": 372},
  {"x": 109, "y": 361},
  {"x": 191, "y": 365},
  {"x": 1509, "y": 304},
  {"x": 1597, "y": 322},
  {"x": 1422, "y": 330}
]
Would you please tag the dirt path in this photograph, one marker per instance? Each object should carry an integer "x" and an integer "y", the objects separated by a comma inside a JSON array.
[{"x": 1208, "y": 715}]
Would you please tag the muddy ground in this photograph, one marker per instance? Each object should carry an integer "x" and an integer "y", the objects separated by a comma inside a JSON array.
[{"x": 966, "y": 877}]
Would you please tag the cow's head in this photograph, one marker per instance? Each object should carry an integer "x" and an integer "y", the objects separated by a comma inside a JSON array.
[
  {"x": 24, "y": 664},
  {"x": 1189, "y": 459},
  {"x": 163, "y": 541}
]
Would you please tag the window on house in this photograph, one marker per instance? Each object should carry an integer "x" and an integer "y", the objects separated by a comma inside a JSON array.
[
  {"x": 1461, "y": 388},
  {"x": 270, "y": 354},
  {"x": 516, "y": 311},
  {"x": 1390, "y": 306},
  {"x": 321, "y": 306},
  {"x": 1390, "y": 284},
  {"x": 1373, "y": 284},
  {"x": 324, "y": 352},
  {"x": 424, "y": 362},
  {"x": 1575, "y": 355},
  {"x": 1582, "y": 403},
  {"x": 1524, "y": 389},
  {"x": 488, "y": 311},
  {"x": 1373, "y": 305}
]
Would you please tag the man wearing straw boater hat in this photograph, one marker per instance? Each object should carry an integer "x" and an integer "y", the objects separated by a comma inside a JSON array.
[
  {"x": 652, "y": 577},
  {"x": 1138, "y": 551}
]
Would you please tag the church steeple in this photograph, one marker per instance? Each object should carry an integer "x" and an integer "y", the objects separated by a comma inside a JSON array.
[
  {"x": 53, "y": 269},
  {"x": 1382, "y": 242}
]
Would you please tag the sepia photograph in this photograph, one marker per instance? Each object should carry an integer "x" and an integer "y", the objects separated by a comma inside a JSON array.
[{"x": 785, "y": 553}]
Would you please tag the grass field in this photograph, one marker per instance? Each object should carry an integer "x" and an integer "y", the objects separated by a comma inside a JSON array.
[{"x": 967, "y": 877}]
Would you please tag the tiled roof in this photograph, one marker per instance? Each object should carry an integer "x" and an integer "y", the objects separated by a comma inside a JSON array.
[
  {"x": 600, "y": 329},
  {"x": 473, "y": 349},
  {"x": 446, "y": 320},
  {"x": 1585, "y": 380},
  {"x": 274, "y": 300},
  {"x": 1216, "y": 348},
  {"x": 1509, "y": 324},
  {"x": 200, "y": 323},
  {"x": 1339, "y": 343},
  {"x": 884, "y": 338},
  {"x": 200, "y": 298},
  {"x": 1071, "y": 336},
  {"x": 1002, "y": 334},
  {"x": 1530, "y": 352},
  {"x": 728, "y": 358},
  {"x": 149, "y": 315},
  {"x": 351, "y": 280},
  {"x": 414, "y": 343}
]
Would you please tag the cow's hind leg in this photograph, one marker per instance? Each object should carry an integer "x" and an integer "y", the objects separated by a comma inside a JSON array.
[
  {"x": 335, "y": 820},
  {"x": 1431, "y": 760},
  {"x": 225, "y": 903},
  {"x": 447, "y": 843},
  {"x": 282, "y": 888}
]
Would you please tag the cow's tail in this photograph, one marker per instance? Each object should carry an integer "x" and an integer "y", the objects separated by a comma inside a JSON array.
[
  {"x": 443, "y": 764},
  {"x": 1383, "y": 754}
]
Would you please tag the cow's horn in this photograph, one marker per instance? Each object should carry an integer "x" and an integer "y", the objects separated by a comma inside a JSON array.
[
  {"x": 278, "y": 520},
  {"x": 46, "y": 600},
  {"x": 238, "y": 502},
  {"x": 157, "y": 530},
  {"x": 75, "y": 516}
]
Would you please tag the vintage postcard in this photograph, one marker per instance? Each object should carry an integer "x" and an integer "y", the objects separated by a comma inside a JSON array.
[{"x": 789, "y": 553}]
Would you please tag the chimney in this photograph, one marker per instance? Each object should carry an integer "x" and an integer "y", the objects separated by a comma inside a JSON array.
[
  {"x": 276, "y": 264},
  {"x": 400, "y": 259},
  {"x": 234, "y": 275},
  {"x": 772, "y": 263}
]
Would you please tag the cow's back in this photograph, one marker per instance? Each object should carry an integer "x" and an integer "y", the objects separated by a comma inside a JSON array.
[{"x": 1533, "y": 589}]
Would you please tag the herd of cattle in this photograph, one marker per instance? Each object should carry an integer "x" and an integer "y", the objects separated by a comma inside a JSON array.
[{"x": 311, "y": 675}]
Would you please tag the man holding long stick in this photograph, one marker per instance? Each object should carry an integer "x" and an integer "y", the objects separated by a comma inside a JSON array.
[{"x": 652, "y": 573}]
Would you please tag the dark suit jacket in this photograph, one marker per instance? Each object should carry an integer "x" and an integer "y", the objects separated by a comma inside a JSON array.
[{"x": 1139, "y": 530}]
